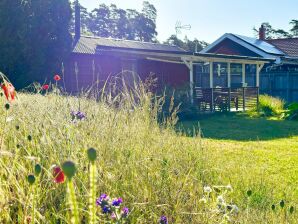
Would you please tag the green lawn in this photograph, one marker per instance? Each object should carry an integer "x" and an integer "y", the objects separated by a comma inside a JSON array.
[
  {"x": 251, "y": 153},
  {"x": 240, "y": 127}
]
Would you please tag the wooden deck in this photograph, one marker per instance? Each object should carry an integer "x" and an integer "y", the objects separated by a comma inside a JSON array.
[{"x": 226, "y": 99}]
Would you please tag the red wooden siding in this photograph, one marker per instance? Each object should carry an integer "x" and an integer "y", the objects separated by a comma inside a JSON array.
[
  {"x": 106, "y": 66},
  {"x": 229, "y": 47}
]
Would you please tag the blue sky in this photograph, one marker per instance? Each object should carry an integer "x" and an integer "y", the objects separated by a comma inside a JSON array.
[{"x": 210, "y": 19}]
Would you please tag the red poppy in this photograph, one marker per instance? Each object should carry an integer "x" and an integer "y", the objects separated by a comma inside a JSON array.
[
  {"x": 45, "y": 87},
  {"x": 57, "y": 77},
  {"x": 58, "y": 174},
  {"x": 9, "y": 91}
]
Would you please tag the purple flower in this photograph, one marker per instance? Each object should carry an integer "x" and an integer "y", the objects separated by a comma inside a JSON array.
[
  {"x": 125, "y": 212},
  {"x": 78, "y": 115},
  {"x": 113, "y": 215},
  {"x": 163, "y": 220},
  {"x": 101, "y": 199},
  {"x": 106, "y": 209},
  {"x": 117, "y": 202}
]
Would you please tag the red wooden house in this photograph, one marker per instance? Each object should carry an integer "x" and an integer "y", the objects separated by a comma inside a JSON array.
[{"x": 95, "y": 60}]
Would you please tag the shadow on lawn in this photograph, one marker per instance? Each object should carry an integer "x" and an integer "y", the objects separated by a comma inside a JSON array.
[{"x": 239, "y": 127}]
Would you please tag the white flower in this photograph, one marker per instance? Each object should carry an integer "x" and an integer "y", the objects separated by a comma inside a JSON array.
[
  {"x": 9, "y": 119},
  {"x": 229, "y": 187},
  {"x": 203, "y": 200},
  {"x": 235, "y": 208},
  {"x": 220, "y": 199},
  {"x": 207, "y": 189}
]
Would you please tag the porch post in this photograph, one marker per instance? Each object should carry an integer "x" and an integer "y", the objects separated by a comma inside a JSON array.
[
  {"x": 258, "y": 76},
  {"x": 191, "y": 83},
  {"x": 229, "y": 74},
  {"x": 259, "y": 68},
  {"x": 243, "y": 74},
  {"x": 211, "y": 74}
]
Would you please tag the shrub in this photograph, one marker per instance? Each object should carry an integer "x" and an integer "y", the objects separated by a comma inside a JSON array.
[
  {"x": 270, "y": 106},
  {"x": 292, "y": 112}
]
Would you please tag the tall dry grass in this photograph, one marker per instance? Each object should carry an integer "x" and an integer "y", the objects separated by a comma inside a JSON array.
[{"x": 140, "y": 157}]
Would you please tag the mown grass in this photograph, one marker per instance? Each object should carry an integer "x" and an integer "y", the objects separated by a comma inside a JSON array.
[
  {"x": 253, "y": 153},
  {"x": 155, "y": 169}
]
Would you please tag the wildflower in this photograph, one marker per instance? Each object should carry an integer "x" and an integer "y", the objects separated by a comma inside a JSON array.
[
  {"x": 117, "y": 202},
  {"x": 101, "y": 199},
  {"x": 229, "y": 187},
  {"x": 9, "y": 91},
  {"x": 113, "y": 215},
  {"x": 163, "y": 220},
  {"x": 58, "y": 174},
  {"x": 57, "y": 78},
  {"x": 220, "y": 199},
  {"x": 125, "y": 212},
  {"x": 235, "y": 208},
  {"x": 45, "y": 87},
  {"x": 203, "y": 200},
  {"x": 9, "y": 119},
  {"x": 106, "y": 209},
  {"x": 207, "y": 189},
  {"x": 77, "y": 115}
]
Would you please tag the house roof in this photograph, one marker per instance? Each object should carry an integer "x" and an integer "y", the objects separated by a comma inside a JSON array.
[
  {"x": 288, "y": 45},
  {"x": 90, "y": 45},
  {"x": 260, "y": 44},
  {"x": 259, "y": 48},
  {"x": 279, "y": 49}
]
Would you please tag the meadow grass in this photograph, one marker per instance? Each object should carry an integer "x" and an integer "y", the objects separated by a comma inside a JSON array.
[{"x": 156, "y": 169}]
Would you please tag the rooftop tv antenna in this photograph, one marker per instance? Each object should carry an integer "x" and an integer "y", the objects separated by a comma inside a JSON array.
[{"x": 179, "y": 27}]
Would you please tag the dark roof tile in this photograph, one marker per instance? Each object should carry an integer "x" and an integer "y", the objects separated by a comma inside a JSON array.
[
  {"x": 287, "y": 45},
  {"x": 88, "y": 45}
]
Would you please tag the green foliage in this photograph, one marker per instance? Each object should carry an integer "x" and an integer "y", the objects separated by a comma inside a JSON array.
[
  {"x": 35, "y": 39},
  {"x": 270, "y": 106},
  {"x": 111, "y": 21},
  {"x": 291, "y": 113},
  {"x": 186, "y": 44}
]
